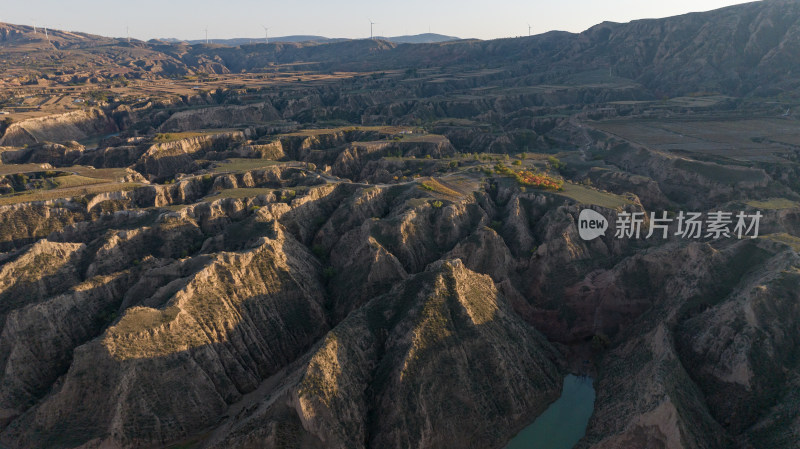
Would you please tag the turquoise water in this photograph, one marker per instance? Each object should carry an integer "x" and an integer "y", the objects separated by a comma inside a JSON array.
[{"x": 564, "y": 423}]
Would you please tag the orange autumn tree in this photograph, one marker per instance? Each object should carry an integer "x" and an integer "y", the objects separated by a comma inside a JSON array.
[{"x": 539, "y": 180}]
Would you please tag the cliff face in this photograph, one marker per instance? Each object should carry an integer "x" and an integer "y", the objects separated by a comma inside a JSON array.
[
  {"x": 164, "y": 160},
  {"x": 76, "y": 125},
  {"x": 23, "y": 224},
  {"x": 369, "y": 383},
  {"x": 698, "y": 380},
  {"x": 169, "y": 321},
  {"x": 679, "y": 178},
  {"x": 48, "y": 153},
  {"x": 220, "y": 117},
  {"x": 230, "y": 335}
]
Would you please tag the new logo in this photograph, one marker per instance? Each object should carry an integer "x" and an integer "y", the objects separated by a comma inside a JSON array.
[
  {"x": 687, "y": 225},
  {"x": 591, "y": 225}
]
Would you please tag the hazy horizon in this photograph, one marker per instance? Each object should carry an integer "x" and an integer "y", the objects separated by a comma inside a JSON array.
[{"x": 185, "y": 20}]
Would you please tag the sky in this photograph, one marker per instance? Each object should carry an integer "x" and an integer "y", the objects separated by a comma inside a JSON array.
[{"x": 484, "y": 19}]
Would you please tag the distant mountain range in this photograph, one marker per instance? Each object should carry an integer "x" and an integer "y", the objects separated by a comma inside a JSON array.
[
  {"x": 426, "y": 38},
  {"x": 748, "y": 49}
]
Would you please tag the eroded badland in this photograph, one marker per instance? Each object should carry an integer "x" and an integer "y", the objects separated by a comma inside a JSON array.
[{"x": 368, "y": 244}]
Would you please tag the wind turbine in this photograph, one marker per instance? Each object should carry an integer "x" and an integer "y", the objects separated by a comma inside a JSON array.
[
  {"x": 529, "y": 29},
  {"x": 206, "y": 35},
  {"x": 371, "y": 23},
  {"x": 266, "y": 33},
  {"x": 128, "y": 33}
]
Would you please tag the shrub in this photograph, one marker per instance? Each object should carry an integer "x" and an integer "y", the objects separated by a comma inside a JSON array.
[
  {"x": 555, "y": 163},
  {"x": 437, "y": 204},
  {"x": 600, "y": 341},
  {"x": 502, "y": 169}
]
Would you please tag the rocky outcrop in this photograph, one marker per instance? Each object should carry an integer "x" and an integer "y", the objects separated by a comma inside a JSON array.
[
  {"x": 209, "y": 344},
  {"x": 220, "y": 117},
  {"x": 36, "y": 343},
  {"x": 42, "y": 270},
  {"x": 26, "y": 223},
  {"x": 48, "y": 153},
  {"x": 352, "y": 161},
  {"x": 646, "y": 189},
  {"x": 679, "y": 178},
  {"x": 165, "y": 160}
]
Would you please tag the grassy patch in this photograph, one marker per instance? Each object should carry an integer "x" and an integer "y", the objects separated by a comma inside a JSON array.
[
  {"x": 784, "y": 238},
  {"x": 433, "y": 185},
  {"x": 720, "y": 173},
  {"x": 12, "y": 169},
  {"x": 425, "y": 138},
  {"x": 109, "y": 174},
  {"x": 245, "y": 192},
  {"x": 323, "y": 131},
  {"x": 242, "y": 165},
  {"x": 585, "y": 195},
  {"x": 174, "y": 137},
  {"x": 45, "y": 195},
  {"x": 139, "y": 319},
  {"x": 65, "y": 182},
  {"x": 773, "y": 204}
]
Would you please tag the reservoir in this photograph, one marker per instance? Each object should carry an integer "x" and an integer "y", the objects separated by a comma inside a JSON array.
[{"x": 564, "y": 423}]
